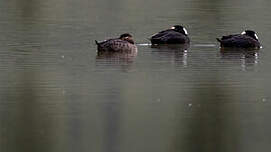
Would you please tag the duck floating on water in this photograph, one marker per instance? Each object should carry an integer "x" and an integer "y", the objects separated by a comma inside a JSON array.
[
  {"x": 175, "y": 35},
  {"x": 247, "y": 39},
  {"x": 124, "y": 43}
]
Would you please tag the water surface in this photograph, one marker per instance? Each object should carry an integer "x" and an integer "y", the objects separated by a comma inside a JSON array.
[{"x": 56, "y": 94}]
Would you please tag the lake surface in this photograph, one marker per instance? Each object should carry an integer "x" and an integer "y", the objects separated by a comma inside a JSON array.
[{"x": 57, "y": 95}]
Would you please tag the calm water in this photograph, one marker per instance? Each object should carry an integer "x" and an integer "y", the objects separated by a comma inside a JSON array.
[{"x": 57, "y": 95}]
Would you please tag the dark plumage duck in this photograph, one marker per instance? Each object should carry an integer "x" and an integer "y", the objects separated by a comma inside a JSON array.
[
  {"x": 176, "y": 35},
  {"x": 247, "y": 39},
  {"x": 124, "y": 43}
]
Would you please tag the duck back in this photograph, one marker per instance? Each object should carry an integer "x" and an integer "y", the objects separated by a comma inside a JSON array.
[
  {"x": 169, "y": 37},
  {"x": 241, "y": 41},
  {"x": 116, "y": 45}
]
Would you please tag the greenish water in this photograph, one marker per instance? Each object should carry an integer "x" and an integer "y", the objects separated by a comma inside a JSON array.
[{"x": 57, "y": 95}]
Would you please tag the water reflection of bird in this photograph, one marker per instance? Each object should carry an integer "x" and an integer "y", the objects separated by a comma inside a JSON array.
[
  {"x": 247, "y": 39},
  {"x": 105, "y": 59},
  {"x": 124, "y": 43},
  {"x": 117, "y": 55},
  {"x": 180, "y": 47},
  {"x": 176, "y": 35},
  {"x": 177, "y": 53},
  {"x": 247, "y": 57}
]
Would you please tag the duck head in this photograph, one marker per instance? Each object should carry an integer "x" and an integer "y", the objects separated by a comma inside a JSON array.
[
  {"x": 251, "y": 34},
  {"x": 127, "y": 37},
  {"x": 180, "y": 29}
]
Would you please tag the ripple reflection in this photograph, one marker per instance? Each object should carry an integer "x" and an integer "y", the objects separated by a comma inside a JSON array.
[
  {"x": 115, "y": 59},
  {"x": 177, "y": 53},
  {"x": 248, "y": 57}
]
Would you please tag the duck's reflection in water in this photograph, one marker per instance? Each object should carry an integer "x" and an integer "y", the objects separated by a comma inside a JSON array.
[
  {"x": 246, "y": 57},
  {"x": 177, "y": 53},
  {"x": 115, "y": 59}
]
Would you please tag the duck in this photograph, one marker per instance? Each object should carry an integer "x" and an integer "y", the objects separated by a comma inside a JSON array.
[
  {"x": 247, "y": 39},
  {"x": 124, "y": 43},
  {"x": 177, "y": 34}
]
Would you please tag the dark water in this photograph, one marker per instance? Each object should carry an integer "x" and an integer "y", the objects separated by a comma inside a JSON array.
[{"x": 57, "y": 95}]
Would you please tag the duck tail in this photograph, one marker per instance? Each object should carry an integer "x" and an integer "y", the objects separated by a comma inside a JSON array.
[
  {"x": 219, "y": 40},
  {"x": 97, "y": 42}
]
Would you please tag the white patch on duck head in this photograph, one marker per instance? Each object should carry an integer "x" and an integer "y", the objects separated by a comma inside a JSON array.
[
  {"x": 243, "y": 33},
  {"x": 172, "y": 28},
  {"x": 185, "y": 31},
  {"x": 256, "y": 36}
]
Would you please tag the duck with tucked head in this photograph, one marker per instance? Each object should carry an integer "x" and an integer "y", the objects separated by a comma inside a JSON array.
[
  {"x": 124, "y": 43},
  {"x": 247, "y": 39},
  {"x": 175, "y": 35}
]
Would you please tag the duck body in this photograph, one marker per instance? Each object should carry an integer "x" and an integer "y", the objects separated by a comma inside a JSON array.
[
  {"x": 123, "y": 44},
  {"x": 176, "y": 35},
  {"x": 247, "y": 39}
]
